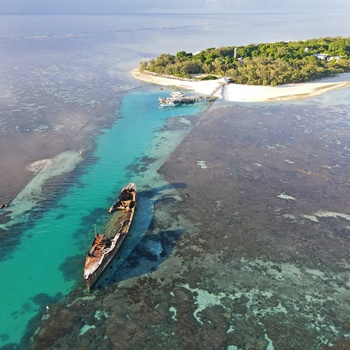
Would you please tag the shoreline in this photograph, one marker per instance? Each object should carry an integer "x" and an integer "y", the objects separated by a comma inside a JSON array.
[{"x": 251, "y": 93}]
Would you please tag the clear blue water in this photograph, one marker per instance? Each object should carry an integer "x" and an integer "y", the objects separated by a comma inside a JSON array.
[
  {"x": 76, "y": 60},
  {"x": 54, "y": 246}
]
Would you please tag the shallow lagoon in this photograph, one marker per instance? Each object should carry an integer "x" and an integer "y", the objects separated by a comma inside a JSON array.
[{"x": 48, "y": 261}]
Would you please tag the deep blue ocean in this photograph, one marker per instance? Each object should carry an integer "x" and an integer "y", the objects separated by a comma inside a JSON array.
[{"x": 69, "y": 64}]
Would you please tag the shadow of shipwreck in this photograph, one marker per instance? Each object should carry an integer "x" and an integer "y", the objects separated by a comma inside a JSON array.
[{"x": 143, "y": 250}]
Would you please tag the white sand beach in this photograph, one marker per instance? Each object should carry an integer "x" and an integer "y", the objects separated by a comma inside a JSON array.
[{"x": 251, "y": 93}]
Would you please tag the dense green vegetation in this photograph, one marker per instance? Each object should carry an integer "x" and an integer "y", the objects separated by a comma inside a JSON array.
[{"x": 260, "y": 64}]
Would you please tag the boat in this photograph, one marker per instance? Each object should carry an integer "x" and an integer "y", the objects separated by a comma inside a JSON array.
[
  {"x": 167, "y": 102},
  {"x": 176, "y": 99},
  {"x": 167, "y": 105},
  {"x": 177, "y": 94},
  {"x": 106, "y": 244}
]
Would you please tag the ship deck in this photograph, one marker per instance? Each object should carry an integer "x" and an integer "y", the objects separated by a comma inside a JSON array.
[{"x": 115, "y": 223}]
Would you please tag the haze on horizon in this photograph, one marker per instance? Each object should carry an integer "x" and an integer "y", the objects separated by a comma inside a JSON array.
[{"x": 174, "y": 6}]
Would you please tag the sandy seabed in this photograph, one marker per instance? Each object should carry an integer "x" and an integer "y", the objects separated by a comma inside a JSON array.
[{"x": 250, "y": 93}]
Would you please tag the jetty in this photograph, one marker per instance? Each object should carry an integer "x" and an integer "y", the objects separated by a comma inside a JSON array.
[{"x": 178, "y": 98}]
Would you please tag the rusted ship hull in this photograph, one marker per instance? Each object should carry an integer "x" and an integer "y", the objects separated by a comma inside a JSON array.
[
  {"x": 105, "y": 245},
  {"x": 92, "y": 279}
]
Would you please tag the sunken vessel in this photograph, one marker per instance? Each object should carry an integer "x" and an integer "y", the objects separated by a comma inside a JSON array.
[{"x": 106, "y": 244}]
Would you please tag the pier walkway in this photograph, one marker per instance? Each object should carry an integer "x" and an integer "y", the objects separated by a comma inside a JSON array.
[{"x": 223, "y": 82}]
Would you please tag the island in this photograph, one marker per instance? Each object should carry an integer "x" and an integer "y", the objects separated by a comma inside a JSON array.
[{"x": 256, "y": 72}]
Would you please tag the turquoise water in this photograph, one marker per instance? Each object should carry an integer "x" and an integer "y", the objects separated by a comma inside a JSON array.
[
  {"x": 70, "y": 61},
  {"x": 47, "y": 263}
]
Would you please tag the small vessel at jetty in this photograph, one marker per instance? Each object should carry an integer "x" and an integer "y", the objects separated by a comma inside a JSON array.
[
  {"x": 176, "y": 99},
  {"x": 106, "y": 244},
  {"x": 167, "y": 102},
  {"x": 178, "y": 94}
]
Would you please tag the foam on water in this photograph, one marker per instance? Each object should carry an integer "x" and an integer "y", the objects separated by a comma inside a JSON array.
[{"x": 26, "y": 200}]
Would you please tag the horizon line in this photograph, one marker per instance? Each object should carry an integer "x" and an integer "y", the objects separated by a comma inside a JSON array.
[{"x": 163, "y": 13}]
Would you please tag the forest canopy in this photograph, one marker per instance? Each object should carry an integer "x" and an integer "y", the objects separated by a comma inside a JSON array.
[{"x": 259, "y": 64}]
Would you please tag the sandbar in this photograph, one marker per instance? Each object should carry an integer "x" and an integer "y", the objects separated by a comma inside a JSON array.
[{"x": 250, "y": 93}]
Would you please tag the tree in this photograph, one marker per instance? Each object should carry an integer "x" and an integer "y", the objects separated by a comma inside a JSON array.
[
  {"x": 183, "y": 56},
  {"x": 262, "y": 64}
]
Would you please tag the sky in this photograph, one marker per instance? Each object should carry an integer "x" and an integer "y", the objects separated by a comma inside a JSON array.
[{"x": 173, "y": 6}]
